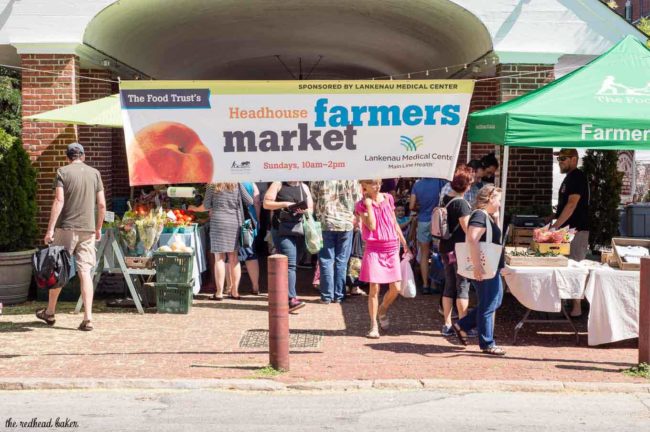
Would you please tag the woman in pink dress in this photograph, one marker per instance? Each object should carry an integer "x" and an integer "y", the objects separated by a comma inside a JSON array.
[{"x": 380, "y": 263}]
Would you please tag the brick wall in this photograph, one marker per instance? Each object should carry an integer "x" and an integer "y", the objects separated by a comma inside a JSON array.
[
  {"x": 48, "y": 82},
  {"x": 121, "y": 187},
  {"x": 642, "y": 180},
  {"x": 530, "y": 171},
  {"x": 97, "y": 141},
  {"x": 486, "y": 94}
]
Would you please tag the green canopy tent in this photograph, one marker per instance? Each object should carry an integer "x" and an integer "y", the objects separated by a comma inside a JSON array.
[
  {"x": 604, "y": 105},
  {"x": 101, "y": 112}
]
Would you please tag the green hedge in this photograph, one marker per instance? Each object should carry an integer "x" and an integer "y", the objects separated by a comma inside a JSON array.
[{"x": 18, "y": 227}]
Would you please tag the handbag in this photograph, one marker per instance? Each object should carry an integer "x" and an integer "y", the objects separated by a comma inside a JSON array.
[
  {"x": 357, "y": 245},
  {"x": 291, "y": 224},
  {"x": 313, "y": 233},
  {"x": 247, "y": 234},
  {"x": 247, "y": 229},
  {"x": 53, "y": 267},
  {"x": 490, "y": 255}
]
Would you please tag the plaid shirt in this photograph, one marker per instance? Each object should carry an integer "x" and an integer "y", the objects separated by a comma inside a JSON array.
[
  {"x": 334, "y": 202},
  {"x": 470, "y": 195}
]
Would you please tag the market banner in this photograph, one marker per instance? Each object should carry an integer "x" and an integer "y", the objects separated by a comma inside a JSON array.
[{"x": 232, "y": 131}]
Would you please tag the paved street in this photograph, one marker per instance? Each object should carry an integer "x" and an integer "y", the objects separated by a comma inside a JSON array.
[
  {"x": 209, "y": 343},
  {"x": 201, "y": 410}
]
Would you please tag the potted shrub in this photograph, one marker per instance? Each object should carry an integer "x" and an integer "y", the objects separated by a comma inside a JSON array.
[{"x": 18, "y": 228}]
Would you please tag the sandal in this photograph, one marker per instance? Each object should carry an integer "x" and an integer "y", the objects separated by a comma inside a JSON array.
[
  {"x": 86, "y": 325},
  {"x": 216, "y": 297},
  {"x": 42, "y": 314},
  {"x": 460, "y": 334},
  {"x": 373, "y": 334},
  {"x": 384, "y": 322},
  {"x": 234, "y": 297},
  {"x": 494, "y": 350}
]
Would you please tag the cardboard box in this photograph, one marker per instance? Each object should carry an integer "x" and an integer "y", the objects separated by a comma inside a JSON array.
[{"x": 624, "y": 241}]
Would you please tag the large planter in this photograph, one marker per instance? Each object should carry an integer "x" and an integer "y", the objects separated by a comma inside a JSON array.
[{"x": 15, "y": 276}]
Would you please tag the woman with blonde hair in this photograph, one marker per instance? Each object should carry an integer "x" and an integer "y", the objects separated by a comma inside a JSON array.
[
  {"x": 380, "y": 263},
  {"x": 489, "y": 291},
  {"x": 225, "y": 201}
]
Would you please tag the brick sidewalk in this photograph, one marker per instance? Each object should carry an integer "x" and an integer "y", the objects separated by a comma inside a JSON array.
[{"x": 206, "y": 344}]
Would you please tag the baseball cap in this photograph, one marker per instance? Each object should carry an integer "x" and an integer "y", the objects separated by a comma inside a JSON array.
[
  {"x": 567, "y": 152},
  {"x": 74, "y": 149}
]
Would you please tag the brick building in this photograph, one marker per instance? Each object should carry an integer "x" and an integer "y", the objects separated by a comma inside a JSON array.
[
  {"x": 75, "y": 51},
  {"x": 637, "y": 8}
]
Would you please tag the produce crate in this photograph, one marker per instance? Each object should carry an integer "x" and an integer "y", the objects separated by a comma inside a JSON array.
[
  {"x": 521, "y": 236},
  {"x": 174, "y": 298},
  {"x": 138, "y": 262},
  {"x": 533, "y": 261},
  {"x": 558, "y": 248},
  {"x": 622, "y": 241},
  {"x": 180, "y": 229},
  {"x": 173, "y": 267}
]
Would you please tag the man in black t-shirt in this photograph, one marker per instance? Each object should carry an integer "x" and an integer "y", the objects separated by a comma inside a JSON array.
[{"x": 573, "y": 208}]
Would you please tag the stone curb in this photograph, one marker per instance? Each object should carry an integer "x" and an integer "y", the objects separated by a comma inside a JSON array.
[{"x": 263, "y": 385}]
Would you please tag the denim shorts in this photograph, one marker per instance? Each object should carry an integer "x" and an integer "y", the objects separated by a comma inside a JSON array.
[{"x": 424, "y": 232}]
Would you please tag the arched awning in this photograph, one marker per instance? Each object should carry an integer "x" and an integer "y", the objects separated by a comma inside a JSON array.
[{"x": 339, "y": 39}]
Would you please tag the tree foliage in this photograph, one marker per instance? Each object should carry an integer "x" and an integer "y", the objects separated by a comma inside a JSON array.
[
  {"x": 605, "y": 183},
  {"x": 18, "y": 227},
  {"x": 10, "y": 101}
]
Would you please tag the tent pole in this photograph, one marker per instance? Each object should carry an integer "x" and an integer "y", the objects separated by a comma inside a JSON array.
[{"x": 504, "y": 181}]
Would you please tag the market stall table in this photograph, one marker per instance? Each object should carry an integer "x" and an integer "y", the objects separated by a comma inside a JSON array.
[
  {"x": 110, "y": 251},
  {"x": 613, "y": 296},
  {"x": 543, "y": 289}
]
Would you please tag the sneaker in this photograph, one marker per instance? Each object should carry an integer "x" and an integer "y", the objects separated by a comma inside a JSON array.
[
  {"x": 447, "y": 331},
  {"x": 426, "y": 291},
  {"x": 322, "y": 300},
  {"x": 472, "y": 333},
  {"x": 295, "y": 304},
  {"x": 337, "y": 300}
]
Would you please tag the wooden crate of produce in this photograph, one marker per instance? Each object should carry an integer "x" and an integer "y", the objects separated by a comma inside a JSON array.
[
  {"x": 557, "y": 248},
  {"x": 533, "y": 261},
  {"x": 138, "y": 262},
  {"x": 622, "y": 241},
  {"x": 521, "y": 236}
]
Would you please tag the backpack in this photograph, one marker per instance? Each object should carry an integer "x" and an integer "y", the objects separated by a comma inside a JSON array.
[
  {"x": 439, "y": 226},
  {"x": 52, "y": 267}
]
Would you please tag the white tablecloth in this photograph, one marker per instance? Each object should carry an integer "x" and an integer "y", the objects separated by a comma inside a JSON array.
[
  {"x": 543, "y": 288},
  {"x": 613, "y": 296}
]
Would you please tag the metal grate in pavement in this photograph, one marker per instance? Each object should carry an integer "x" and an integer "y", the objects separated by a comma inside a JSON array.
[{"x": 297, "y": 339}]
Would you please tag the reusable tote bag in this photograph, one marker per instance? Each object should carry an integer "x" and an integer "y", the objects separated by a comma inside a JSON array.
[
  {"x": 313, "y": 234},
  {"x": 490, "y": 254}
]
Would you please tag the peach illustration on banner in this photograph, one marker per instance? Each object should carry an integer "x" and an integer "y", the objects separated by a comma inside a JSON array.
[{"x": 169, "y": 152}]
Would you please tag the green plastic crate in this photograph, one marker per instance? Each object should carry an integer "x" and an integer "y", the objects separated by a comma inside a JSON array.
[
  {"x": 173, "y": 267},
  {"x": 174, "y": 298}
]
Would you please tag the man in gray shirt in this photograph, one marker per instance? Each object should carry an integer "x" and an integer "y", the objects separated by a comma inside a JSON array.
[{"x": 78, "y": 190}]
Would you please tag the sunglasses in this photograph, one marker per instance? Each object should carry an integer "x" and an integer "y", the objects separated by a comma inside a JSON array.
[{"x": 562, "y": 158}]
